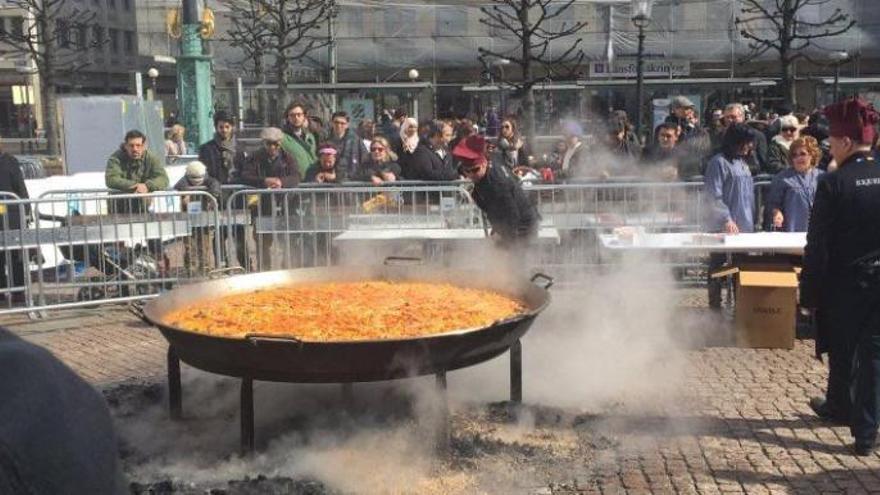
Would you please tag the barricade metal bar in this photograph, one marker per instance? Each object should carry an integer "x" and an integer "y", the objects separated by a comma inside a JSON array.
[
  {"x": 126, "y": 252},
  {"x": 135, "y": 255}
]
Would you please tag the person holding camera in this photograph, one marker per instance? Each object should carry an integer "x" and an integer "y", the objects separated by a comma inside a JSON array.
[{"x": 837, "y": 283}]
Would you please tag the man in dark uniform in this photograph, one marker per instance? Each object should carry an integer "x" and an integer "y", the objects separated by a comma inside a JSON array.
[
  {"x": 844, "y": 227},
  {"x": 499, "y": 194}
]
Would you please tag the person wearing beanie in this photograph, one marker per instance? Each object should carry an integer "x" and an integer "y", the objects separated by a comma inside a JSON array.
[
  {"x": 839, "y": 283},
  {"x": 729, "y": 191},
  {"x": 325, "y": 169},
  {"x": 271, "y": 167},
  {"x": 198, "y": 247},
  {"x": 498, "y": 193}
]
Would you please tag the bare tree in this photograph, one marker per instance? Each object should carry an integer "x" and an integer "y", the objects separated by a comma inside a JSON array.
[
  {"x": 285, "y": 30},
  {"x": 534, "y": 25},
  {"x": 249, "y": 34},
  {"x": 789, "y": 33},
  {"x": 55, "y": 36}
]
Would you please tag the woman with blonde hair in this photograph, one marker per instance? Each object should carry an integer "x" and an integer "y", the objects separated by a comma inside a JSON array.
[
  {"x": 793, "y": 189},
  {"x": 175, "y": 144},
  {"x": 778, "y": 158},
  {"x": 381, "y": 165}
]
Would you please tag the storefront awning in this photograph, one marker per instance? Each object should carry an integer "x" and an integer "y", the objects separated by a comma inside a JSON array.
[
  {"x": 348, "y": 86},
  {"x": 850, "y": 80},
  {"x": 750, "y": 81},
  {"x": 537, "y": 87}
]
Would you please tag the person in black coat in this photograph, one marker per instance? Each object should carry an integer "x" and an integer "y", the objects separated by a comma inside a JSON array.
[
  {"x": 224, "y": 159},
  {"x": 272, "y": 168},
  {"x": 325, "y": 170},
  {"x": 56, "y": 434},
  {"x": 429, "y": 161},
  {"x": 499, "y": 194},
  {"x": 845, "y": 227},
  {"x": 12, "y": 180}
]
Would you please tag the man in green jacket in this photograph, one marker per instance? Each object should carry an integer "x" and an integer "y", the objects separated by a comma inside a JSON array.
[
  {"x": 132, "y": 169},
  {"x": 298, "y": 140}
]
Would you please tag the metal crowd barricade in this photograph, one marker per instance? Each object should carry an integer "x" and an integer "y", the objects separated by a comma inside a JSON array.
[
  {"x": 293, "y": 228},
  {"x": 11, "y": 267},
  {"x": 79, "y": 248},
  {"x": 581, "y": 211}
]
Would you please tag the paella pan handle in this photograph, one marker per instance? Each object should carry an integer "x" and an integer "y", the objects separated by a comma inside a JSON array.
[
  {"x": 403, "y": 260},
  {"x": 137, "y": 308},
  {"x": 256, "y": 338},
  {"x": 548, "y": 280}
]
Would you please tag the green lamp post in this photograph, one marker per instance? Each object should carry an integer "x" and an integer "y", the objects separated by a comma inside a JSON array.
[{"x": 194, "y": 77}]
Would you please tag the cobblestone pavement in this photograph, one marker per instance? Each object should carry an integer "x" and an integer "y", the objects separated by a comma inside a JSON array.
[{"x": 741, "y": 425}]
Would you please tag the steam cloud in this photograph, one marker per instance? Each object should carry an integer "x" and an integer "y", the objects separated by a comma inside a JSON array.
[{"x": 607, "y": 342}]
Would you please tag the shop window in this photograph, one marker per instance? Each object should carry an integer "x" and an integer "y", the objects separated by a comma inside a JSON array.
[
  {"x": 62, "y": 33},
  {"x": 82, "y": 36},
  {"x": 129, "y": 42},
  {"x": 98, "y": 35},
  {"x": 16, "y": 25},
  {"x": 114, "y": 40}
]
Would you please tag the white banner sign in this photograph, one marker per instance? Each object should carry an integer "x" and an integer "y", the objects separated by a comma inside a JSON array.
[{"x": 651, "y": 68}]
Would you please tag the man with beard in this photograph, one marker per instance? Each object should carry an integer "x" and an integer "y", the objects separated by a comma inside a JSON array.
[
  {"x": 345, "y": 141},
  {"x": 841, "y": 280},
  {"x": 272, "y": 168},
  {"x": 133, "y": 169},
  {"x": 223, "y": 162},
  {"x": 299, "y": 142},
  {"x": 729, "y": 191}
]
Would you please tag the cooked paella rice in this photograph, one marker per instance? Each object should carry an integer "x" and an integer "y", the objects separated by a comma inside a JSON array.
[{"x": 345, "y": 311}]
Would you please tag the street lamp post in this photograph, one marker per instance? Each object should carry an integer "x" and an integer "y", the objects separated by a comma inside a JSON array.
[
  {"x": 153, "y": 74},
  {"x": 414, "y": 76},
  {"x": 502, "y": 97},
  {"x": 839, "y": 58},
  {"x": 641, "y": 18}
]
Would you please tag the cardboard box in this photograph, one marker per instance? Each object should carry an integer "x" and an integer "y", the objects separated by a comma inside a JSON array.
[{"x": 766, "y": 305}]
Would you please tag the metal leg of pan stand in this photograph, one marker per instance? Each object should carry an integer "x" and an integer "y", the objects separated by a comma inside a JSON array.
[
  {"x": 516, "y": 372},
  {"x": 247, "y": 415},
  {"x": 443, "y": 438},
  {"x": 175, "y": 392}
]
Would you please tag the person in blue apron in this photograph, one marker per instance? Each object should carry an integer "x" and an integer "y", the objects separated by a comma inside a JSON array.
[
  {"x": 840, "y": 282},
  {"x": 793, "y": 189},
  {"x": 730, "y": 195}
]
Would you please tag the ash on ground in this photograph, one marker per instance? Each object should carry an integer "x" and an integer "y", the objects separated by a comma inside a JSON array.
[{"x": 383, "y": 444}]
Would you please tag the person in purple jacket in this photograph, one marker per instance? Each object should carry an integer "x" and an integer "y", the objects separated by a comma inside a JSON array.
[
  {"x": 793, "y": 189},
  {"x": 729, "y": 192}
]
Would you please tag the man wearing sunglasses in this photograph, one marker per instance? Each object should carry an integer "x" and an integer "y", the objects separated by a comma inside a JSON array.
[{"x": 499, "y": 194}]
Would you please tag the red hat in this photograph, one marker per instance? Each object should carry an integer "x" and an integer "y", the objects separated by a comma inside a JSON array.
[
  {"x": 471, "y": 149},
  {"x": 853, "y": 118}
]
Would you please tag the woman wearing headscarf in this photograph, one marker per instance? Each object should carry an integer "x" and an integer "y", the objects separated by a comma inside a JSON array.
[
  {"x": 420, "y": 160},
  {"x": 793, "y": 190},
  {"x": 777, "y": 152}
]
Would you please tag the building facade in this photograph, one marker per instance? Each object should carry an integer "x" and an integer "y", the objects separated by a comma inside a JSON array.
[{"x": 96, "y": 57}]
